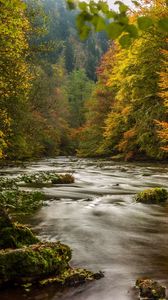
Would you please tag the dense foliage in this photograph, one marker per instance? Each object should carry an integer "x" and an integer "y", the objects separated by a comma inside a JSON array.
[
  {"x": 132, "y": 83},
  {"x": 61, "y": 26},
  {"x": 36, "y": 77},
  {"x": 50, "y": 102},
  {"x": 98, "y": 15}
]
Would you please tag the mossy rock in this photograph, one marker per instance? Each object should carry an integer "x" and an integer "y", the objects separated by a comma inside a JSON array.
[
  {"x": 150, "y": 289},
  {"x": 29, "y": 264},
  {"x": 16, "y": 236},
  {"x": 71, "y": 277},
  {"x": 43, "y": 178},
  {"x": 152, "y": 196},
  {"x": 63, "y": 179},
  {"x": 18, "y": 201}
]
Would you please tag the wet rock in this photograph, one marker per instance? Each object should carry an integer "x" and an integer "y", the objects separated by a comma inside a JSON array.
[
  {"x": 25, "y": 261},
  {"x": 150, "y": 289},
  {"x": 152, "y": 196},
  {"x": 31, "y": 263},
  {"x": 98, "y": 275},
  {"x": 72, "y": 277}
]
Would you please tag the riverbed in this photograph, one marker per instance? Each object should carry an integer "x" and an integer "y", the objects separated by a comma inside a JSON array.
[{"x": 99, "y": 219}]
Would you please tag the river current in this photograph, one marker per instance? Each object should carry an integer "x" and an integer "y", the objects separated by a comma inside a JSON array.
[{"x": 107, "y": 230}]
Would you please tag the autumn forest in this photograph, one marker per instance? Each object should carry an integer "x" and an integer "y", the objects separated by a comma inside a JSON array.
[
  {"x": 83, "y": 150},
  {"x": 90, "y": 97}
]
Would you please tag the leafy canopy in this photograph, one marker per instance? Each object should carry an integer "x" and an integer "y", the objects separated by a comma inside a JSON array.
[{"x": 99, "y": 16}]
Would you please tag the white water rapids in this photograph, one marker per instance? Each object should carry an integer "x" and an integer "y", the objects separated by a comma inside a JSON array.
[{"x": 99, "y": 219}]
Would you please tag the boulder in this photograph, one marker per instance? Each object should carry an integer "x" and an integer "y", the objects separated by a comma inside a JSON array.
[
  {"x": 72, "y": 277},
  {"x": 63, "y": 179},
  {"x": 14, "y": 235},
  {"x": 152, "y": 196},
  {"x": 32, "y": 263},
  {"x": 25, "y": 261},
  {"x": 150, "y": 289}
]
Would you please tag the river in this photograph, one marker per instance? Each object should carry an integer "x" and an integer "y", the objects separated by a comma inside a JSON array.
[{"x": 107, "y": 230}]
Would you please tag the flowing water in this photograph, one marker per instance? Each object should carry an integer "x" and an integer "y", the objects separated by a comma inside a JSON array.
[{"x": 99, "y": 219}]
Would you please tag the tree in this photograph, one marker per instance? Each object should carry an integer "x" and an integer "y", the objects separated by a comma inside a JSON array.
[
  {"x": 97, "y": 108},
  {"x": 14, "y": 69},
  {"x": 78, "y": 88},
  {"x": 163, "y": 84},
  {"x": 129, "y": 127}
]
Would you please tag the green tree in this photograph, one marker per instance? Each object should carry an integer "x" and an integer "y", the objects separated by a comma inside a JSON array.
[{"x": 78, "y": 88}]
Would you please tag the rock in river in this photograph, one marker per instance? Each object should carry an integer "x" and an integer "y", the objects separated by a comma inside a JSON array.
[
  {"x": 152, "y": 196},
  {"x": 150, "y": 289}
]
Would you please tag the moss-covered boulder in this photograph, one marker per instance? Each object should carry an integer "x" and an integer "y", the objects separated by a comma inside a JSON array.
[
  {"x": 71, "y": 277},
  {"x": 152, "y": 196},
  {"x": 150, "y": 289},
  {"x": 45, "y": 178},
  {"x": 63, "y": 179},
  {"x": 31, "y": 263},
  {"x": 14, "y": 235},
  {"x": 25, "y": 261}
]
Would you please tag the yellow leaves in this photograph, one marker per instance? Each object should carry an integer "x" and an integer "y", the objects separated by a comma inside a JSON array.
[
  {"x": 126, "y": 110},
  {"x": 163, "y": 134},
  {"x": 163, "y": 84},
  {"x": 126, "y": 143},
  {"x": 4, "y": 130},
  {"x": 129, "y": 134},
  {"x": 14, "y": 49}
]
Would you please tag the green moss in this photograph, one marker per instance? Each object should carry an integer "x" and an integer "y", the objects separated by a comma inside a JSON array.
[
  {"x": 21, "y": 201},
  {"x": 34, "y": 262},
  {"x": 72, "y": 277},
  {"x": 7, "y": 183},
  {"x": 63, "y": 179},
  {"x": 42, "y": 178},
  {"x": 16, "y": 236},
  {"x": 152, "y": 196}
]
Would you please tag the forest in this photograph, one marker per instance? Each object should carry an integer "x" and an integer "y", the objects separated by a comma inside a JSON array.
[
  {"x": 91, "y": 97},
  {"x": 83, "y": 150}
]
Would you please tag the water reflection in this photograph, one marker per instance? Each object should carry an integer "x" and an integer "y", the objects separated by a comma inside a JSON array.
[{"x": 106, "y": 229}]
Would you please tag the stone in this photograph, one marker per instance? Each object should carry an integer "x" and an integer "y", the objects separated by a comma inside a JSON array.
[
  {"x": 150, "y": 289},
  {"x": 152, "y": 196}
]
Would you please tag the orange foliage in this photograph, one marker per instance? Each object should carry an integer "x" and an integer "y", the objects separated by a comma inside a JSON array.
[{"x": 163, "y": 125}]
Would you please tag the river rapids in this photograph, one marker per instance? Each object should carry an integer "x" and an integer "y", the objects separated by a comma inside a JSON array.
[{"x": 99, "y": 219}]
